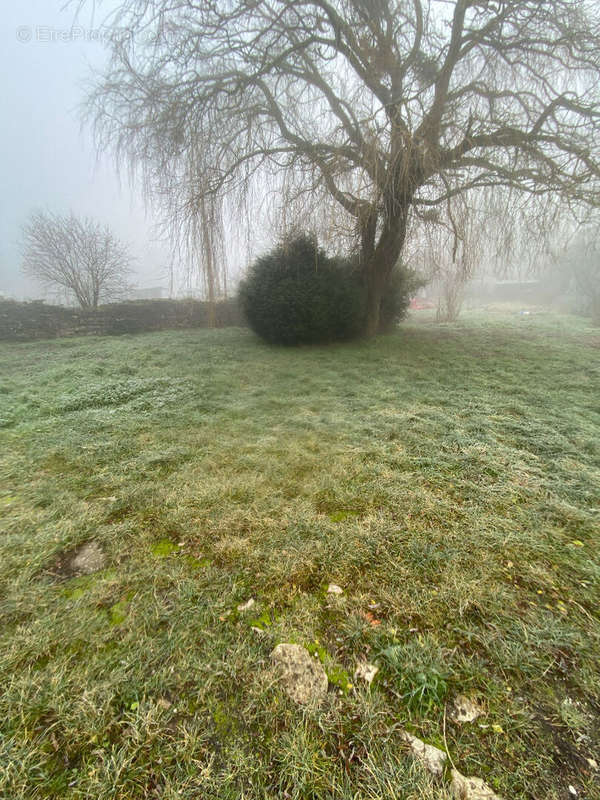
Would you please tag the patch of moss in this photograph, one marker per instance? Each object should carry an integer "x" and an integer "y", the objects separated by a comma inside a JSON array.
[
  {"x": 266, "y": 619},
  {"x": 343, "y": 514},
  {"x": 117, "y": 614},
  {"x": 78, "y": 587},
  {"x": 225, "y": 723},
  {"x": 336, "y": 674},
  {"x": 318, "y": 649},
  {"x": 198, "y": 563},
  {"x": 163, "y": 548},
  {"x": 339, "y": 677}
]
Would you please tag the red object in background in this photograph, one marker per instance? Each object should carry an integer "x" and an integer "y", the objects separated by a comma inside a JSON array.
[{"x": 417, "y": 304}]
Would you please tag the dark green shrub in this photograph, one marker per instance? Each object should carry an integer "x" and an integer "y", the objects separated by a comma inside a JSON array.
[{"x": 296, "y": 294}]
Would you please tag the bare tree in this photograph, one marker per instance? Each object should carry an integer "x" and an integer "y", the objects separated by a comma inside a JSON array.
[
  {"x": 581, "y": 261},
  {"x": 383, "y": 107},
  {"x": 453, "y": 248},
  {"x": 79, "y": 255}
]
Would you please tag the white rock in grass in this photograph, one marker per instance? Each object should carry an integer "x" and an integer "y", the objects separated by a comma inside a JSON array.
[
  {"x": 88, "y": 558},
  {"x": 465, "y": 709},
  {"x": 303, "y": 678},
  {"x": 470, "y": 788},
  {"x": 247, "y": 605},
  {"x": 333, "y": 588},
  {"x": 365, "y": 672},
  {"x": 432, "y": 758}
]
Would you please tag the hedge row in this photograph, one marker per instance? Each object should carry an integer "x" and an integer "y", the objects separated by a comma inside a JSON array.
[{"x": 20, "y": 322}]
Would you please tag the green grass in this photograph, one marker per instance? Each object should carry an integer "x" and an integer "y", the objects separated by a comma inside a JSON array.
[{"x": 447, "y": 477}]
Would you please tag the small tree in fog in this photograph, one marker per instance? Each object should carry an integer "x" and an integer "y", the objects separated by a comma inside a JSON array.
[
  {"x": 79, "y": 255},
  {"x": 582, "y": 260},
  {"x": 455, "y": 254}
]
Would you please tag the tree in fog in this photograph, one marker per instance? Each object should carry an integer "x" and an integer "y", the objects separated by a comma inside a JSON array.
[
  {"x": 581, "y": 262},
  {"x": 383, "y": 108},
  {"x": 78, "y": 255},
  {"x": 451, "y": 251}
]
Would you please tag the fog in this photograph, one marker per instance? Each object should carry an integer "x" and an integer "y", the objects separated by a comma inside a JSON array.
[
  {"x": 312, "y": 509},
  {"x": 48, "y": 161},
  {"x": 49, "y": 54}
]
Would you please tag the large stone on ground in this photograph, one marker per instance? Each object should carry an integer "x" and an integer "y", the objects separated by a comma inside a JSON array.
[
  {"x": 432, "y": 758},
  {"x": 470, "y": 788},
  {"x": 303, "y": 678}
]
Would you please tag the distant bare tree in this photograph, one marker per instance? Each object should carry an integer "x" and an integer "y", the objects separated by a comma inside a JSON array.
[
  {"x": 454, "y": 251},
  {"x": 581, "y": 259},
  {"x": 79, "y": 255},
  {"x": 383, "y": 107}
]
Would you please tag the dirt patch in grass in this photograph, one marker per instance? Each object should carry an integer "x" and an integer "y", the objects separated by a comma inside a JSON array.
[
  {"x": 572, "y": 759},
  {"x": 84, "y": 559}
]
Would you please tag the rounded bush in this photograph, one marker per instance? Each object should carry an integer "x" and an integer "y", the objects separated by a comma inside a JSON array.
[{"x": 296, "y": 294}]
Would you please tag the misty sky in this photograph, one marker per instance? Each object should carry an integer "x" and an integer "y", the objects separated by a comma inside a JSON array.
[{"x": 47, "y": 161}]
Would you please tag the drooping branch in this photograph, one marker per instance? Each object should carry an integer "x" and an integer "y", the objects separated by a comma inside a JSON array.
[{"x": 376, "y": 109}]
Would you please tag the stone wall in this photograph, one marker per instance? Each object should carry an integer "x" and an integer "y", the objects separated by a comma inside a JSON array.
[{"x": 21, "y": 322}]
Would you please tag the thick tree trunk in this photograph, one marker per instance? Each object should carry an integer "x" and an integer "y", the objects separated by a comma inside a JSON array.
[
  {"x": 375, "y": 291},
  {"x": 378, "y": 267}
]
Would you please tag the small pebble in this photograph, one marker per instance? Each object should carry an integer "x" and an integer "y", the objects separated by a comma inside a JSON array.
[{"x": 366, "y": 672}]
